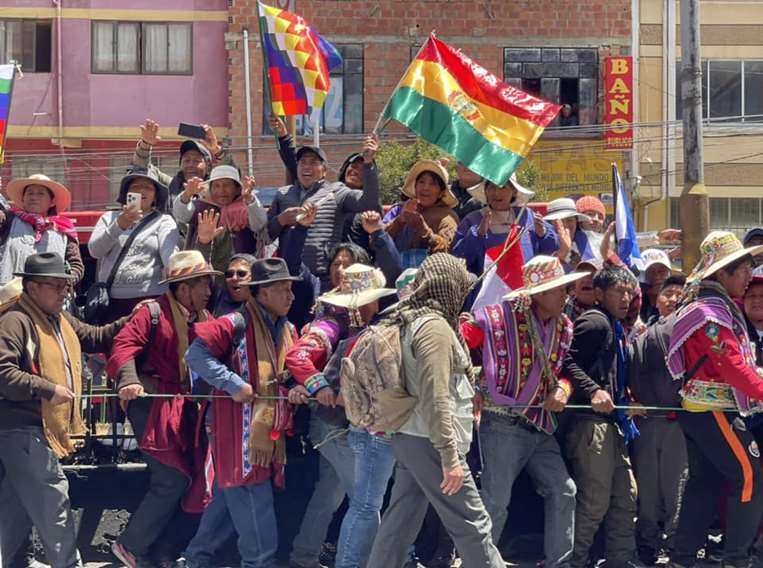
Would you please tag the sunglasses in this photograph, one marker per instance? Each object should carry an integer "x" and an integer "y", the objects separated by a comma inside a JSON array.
[{"x": 239, "y": 273}]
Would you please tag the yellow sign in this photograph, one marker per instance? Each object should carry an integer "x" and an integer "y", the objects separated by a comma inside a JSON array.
[{"x": 574, "y": 167}]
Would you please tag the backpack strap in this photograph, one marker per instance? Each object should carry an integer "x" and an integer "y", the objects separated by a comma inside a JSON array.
[{"x": 126, "y": 247}]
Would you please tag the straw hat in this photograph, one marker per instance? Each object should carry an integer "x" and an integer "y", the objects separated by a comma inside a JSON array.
[
  {"x": 188, "y": 264},
  {"x": 10, "y": 291},
  {"x": 360, "y": 285},
  {"x": 433, "y": 167},
  {"x": 719, "y": 249},
  {"x": 543, "y": 273},
  {"x": 523, "y": 196},
  {"x": 563, "y": 208},
  {"x": 62, "y": 196}
]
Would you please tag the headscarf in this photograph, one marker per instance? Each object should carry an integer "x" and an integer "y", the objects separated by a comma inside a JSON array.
[{"x": 440, "y": 288}]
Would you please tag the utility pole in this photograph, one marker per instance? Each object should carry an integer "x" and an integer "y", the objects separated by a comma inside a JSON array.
[{"x": 695, "y": 207}]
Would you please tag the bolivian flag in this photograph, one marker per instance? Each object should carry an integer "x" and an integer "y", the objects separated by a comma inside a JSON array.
[{"x": 458, "y": 105}]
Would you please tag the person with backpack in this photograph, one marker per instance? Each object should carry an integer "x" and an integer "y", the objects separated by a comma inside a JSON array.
[
  {"x": 597, "y": 441},
  {"x": 659, "y": 453},
  {"x": 354, "y": 462},
  {"x": 429, "y": 408},
  {"x": 524, "y": 340},
  {"x": 148, "y": 356},
  {"x": 711, "y": 354}
]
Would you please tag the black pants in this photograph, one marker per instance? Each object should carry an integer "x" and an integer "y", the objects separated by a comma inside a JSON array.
[
  {"x": 720, "y": 448},
  {"x": 161, "y": 503}
]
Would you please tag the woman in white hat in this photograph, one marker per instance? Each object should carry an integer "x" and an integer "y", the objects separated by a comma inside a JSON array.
[
  {"x": 226, "y": 198},
  {"x": 489, "y": 227},
  {"x": 710, "y": 344},
  {"x": 314, "y": 361},
  {"x": 426, "y": 222},
  {"x": 575, "y": 244},
  {"x": 35, "y": 225}
]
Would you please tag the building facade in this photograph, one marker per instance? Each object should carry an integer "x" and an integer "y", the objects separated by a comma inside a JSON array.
[
  {"x": 93, "y": 70},
  {"x": 551, "y": 48},
  {"x": 731, "y": 36},
  {"x": 76, "y": 112}
]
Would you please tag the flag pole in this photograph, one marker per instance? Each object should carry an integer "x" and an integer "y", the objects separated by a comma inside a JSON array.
[
  {"x": 317, "y": 127},
  {"x": 614, "y": 200},
  {"x": 265, "y": 64}
]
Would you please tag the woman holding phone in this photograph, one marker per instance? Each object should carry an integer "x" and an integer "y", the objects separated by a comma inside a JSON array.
[{"x": 137, "y": 275}]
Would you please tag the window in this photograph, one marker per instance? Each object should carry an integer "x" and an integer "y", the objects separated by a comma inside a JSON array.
[
  {"x": 142, "y": 48},
  {"x": 342, "y": 111},
  {"x": 731, "y": 91},
  {"x": 735, "y": 214},
  {"x": 28, "y": 43},
  {"x": 560, "y": 75}
]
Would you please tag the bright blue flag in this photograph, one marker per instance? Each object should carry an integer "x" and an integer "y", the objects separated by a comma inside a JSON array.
[{"x": 625, "y": 229}]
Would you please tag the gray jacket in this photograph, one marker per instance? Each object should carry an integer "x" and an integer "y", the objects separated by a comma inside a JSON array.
[
  {"x": 335, "y": 202},
  {"x": 435, "y": 363}
]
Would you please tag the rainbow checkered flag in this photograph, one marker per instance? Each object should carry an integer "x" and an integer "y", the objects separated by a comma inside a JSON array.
[
  {"x": 7, "y": 74},
  {"x": 298, "y": 61}
]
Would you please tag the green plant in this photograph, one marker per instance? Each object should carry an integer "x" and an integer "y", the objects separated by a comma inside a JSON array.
[{"x": 395, "y": 158}]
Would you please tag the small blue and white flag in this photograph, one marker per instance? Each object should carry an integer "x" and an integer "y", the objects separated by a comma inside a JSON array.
[{"x": 625, "y": 230}]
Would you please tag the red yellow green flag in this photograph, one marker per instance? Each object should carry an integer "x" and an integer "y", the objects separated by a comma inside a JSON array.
[{"x": 455, "y": 103}]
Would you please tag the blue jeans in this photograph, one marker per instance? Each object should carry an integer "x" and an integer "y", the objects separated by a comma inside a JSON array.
[
  {"x": 508, "y": 449},
  {"x": 335, "y": 480},
  {"x": 247, "y": 511},
  {"x": 374, "y": 462}
]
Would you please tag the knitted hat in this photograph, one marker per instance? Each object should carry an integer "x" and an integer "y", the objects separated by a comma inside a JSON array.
[{"x": 590, "y": 203}]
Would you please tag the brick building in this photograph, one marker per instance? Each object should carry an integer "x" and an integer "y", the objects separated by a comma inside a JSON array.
[{"x": 554, "y": 48}]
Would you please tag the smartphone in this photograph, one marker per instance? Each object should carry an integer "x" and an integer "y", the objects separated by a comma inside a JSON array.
[
  {"x": 191, "y": 131},
  {"x": 133, "y": 200}
]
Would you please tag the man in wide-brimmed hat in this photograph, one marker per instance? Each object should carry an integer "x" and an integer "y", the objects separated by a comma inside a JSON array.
[
  {"x": 524, "y": 340},
  {"x": 40, "y": 388},
  {"x": 710, "y": 349},
  {"x": 148, "y": 357},
  {"x": 34, "y": 225},
  {"x": 242, "y": 354}
]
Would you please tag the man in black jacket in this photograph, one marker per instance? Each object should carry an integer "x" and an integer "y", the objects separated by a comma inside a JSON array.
[
  {"x": 596, "y": 444},
  {"x": 659, "y": 453}
]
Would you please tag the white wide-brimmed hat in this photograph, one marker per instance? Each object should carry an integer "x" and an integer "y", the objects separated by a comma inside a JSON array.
[
  {"x": 543, "y": 273},
  {"x": 523, "y": 196},
  {"x": 187, "y": 264},
  {"x": 435, "y": 168},
  {"x": 62, "y": 196},
  {"x": 563, "y": 208},
  {"x": 10, "y": 291},
  {"x": 719, "y": 249},
  {"x": 360, "y": 285}
]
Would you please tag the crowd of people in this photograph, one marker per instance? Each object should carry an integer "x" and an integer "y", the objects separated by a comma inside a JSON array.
[{"x": 629, "y": 397}]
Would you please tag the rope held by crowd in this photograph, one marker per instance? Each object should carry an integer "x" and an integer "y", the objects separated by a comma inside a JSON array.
[{"x": 312, "y": 400}]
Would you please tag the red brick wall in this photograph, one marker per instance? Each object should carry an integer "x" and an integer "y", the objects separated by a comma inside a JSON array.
[{"x": 388, "y": 29}]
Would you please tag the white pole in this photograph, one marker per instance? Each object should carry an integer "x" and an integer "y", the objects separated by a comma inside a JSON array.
[
  {"x": 248, "y": 97},
  {"x": 317, "y": 127}
]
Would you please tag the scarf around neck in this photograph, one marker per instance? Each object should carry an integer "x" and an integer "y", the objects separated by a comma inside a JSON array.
[
  {"x": 61, "y": 421},
  {"x": 180, "y": 325},
  {"x": 264, "y": 447},
  {"x": 40, "y": 224}
]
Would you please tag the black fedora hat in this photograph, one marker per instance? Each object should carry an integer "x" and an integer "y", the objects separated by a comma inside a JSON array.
[
  {"x": 47, "y": 264},
  {"x": 270, "y": 271}
]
